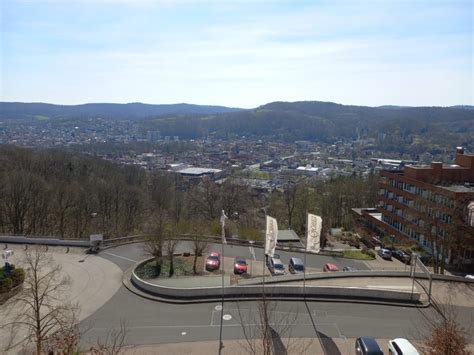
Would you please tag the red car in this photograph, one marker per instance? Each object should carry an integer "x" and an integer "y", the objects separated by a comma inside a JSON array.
[
  {"x": 240, "y": 266},
  {"x": 329, "y": 267},
  {"x": 213, "y": 261}
]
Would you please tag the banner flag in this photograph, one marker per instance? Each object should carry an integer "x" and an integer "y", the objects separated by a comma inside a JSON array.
[
  {"x": 271, "y": 236},
  {"x": 313, "y": 239},
  {"x": 223, "y": 218}
]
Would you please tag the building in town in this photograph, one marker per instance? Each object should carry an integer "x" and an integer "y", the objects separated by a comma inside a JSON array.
[{"x": 431, "y": 205}]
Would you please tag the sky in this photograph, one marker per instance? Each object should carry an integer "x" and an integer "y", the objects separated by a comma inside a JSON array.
[{"x": 237, "y": 53}]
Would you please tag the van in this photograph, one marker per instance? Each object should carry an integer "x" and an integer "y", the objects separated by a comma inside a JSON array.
[
  {"x": 296, "y": 266},
  {"x": 367, "y": 346}
]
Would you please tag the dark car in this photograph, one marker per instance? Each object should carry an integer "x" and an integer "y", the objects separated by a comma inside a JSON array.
[
  {"x": 213, "y": 261},
  {"x": 296, "y": 265},
  {"x": 401, "y": 255},
  {"x": 367, "y": 346},
  {"x": 240, "y": 266}
]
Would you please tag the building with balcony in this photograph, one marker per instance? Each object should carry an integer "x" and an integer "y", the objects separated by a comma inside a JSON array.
[{"x": 431, "y": 205}]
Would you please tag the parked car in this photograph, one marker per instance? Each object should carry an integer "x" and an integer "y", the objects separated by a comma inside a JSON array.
[
  {"x": 471, "y": 277},
  {"x": 329, "y": 267},
  {"x": 275, "y": 265},
  {"x": 367, "y": 346},
  {"x": 385, "y": 254},
  {"x": 401, "y": 346},
  {"x": 213, "y": 261},
  {"x": 296, "y": 266},
  {"x": 349, "y": 268},
  {"x": 401, "y": 255},
  {"x": 240, "y": 266}
]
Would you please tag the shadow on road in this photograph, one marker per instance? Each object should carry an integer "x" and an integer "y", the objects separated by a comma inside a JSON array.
[{"x": 327, "y": 344}]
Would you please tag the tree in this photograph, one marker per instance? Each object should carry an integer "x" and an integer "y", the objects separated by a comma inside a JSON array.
[
  {"x": 200, "y": 247},
  {"x": 39, "y": 309},
  {"x": 268, "y": 331},
  {"x": 171, "y": 248},
  {"x": 446, "y": 336},
  {"x": 114, "y": 342},
  {"x": 290, "y": 193}
]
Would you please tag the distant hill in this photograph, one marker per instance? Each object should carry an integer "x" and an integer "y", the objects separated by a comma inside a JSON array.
[
  {"x": 393, "y": 128},
  {"x": 20, "y": 110},
  {"x": 425, "y": 127}
]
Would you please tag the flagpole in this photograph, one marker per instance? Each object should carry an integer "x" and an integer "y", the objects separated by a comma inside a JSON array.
[
  {"x": 304, "y": 262},
  {"x": 223, "y": 241}
]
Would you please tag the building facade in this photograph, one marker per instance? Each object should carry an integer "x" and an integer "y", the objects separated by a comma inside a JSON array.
[{"x": 431, "y": 205}]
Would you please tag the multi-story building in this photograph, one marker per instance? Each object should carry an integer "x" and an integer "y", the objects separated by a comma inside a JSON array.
[{"x": 431, "y": 205}]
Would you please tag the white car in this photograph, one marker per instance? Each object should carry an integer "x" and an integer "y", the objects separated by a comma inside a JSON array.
[
  {"x": 469, "y": 277},
  {"x": 401, "y": 346}
]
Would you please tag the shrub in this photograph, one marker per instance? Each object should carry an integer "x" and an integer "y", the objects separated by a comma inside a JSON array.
[
  {"x": 17, "y": 276},
  {"x": 5, "y": 284}
]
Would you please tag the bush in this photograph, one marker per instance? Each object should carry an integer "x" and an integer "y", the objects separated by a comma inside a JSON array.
[
  {"x": 17, "y": 276},
  {"x": 5, "y": 284}
]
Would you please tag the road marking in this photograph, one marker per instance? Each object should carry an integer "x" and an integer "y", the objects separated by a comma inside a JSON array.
[
  {"x": 391, "y": 287},
  {"x": 120, "y": 257}
]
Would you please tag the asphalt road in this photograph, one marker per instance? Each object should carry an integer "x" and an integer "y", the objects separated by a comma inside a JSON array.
[
  {"x": 152, "y": 322},
  {"x": 125, "y": 255}
]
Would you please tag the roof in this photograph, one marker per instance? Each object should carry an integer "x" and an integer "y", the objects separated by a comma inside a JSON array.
[
  {"x": 198, "y": 171},
  {"x": 457, "y": 188},
  {"x": 287, "y": 235}
]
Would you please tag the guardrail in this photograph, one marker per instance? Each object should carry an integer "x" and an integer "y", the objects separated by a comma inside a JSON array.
[
  {"x": 272, "y": 291},
  {"x": 44, "y": 241}
]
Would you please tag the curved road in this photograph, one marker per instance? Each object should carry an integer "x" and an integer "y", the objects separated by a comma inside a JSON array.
[{"x": 153, "y": 322}]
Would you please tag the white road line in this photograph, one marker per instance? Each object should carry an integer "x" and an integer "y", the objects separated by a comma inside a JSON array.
[
  {"x": 391, "y": 287},
  {"x": 216, "y": 325},
  {"x": 120, "y": 257}
]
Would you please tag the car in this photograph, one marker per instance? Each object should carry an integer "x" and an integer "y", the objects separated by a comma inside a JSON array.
[
  {"x": 213, "y": 261},
  {"x": 330, "y": 267},
  {"x": 275, "y": 265},
  {"x": 296, "y": 266},
  {"x": 469, "y": 277},
  {"x": 240, "y": 266},
  {"x": 385, "y": 254},
  {"x": 401, "y": 255},
  {"x": 401, "y": 346},
  {"x": 367, "y": 346},
  {"x": 349, "y": 268}
]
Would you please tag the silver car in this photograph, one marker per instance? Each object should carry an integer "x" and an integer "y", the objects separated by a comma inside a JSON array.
[{"x": 276, "y": 266}]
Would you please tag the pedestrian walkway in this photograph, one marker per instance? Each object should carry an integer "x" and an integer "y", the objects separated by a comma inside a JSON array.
[{"x": 304, "y": 346}]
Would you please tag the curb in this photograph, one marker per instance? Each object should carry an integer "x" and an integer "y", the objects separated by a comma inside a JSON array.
[{"x": 128, "y": 283}]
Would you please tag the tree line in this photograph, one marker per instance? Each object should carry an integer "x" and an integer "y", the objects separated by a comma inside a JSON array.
[{"x": 55, "y": 193}]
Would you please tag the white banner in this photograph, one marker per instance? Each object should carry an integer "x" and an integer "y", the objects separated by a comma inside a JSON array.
[
  {"x": 271, "y": 236},
  {"x": 313, "y": 238},
  {"x": 223, "y": 218}
]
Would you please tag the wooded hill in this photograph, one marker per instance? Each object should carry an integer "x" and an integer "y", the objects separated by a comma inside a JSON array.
[
  {"x": 20, "y": 110},
  {"x": 395, "y": 128}
]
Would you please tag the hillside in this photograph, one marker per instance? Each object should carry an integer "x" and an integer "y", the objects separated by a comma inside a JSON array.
[
  {"x": 423, "y": 127},
  {"x": 20, "y": 110}
]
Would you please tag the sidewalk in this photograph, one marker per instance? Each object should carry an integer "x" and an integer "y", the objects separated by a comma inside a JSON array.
[{"x": 305, "y": 346}]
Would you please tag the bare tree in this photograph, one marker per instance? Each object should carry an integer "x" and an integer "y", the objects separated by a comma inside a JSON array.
[
  {"x": 170, "y": 249},
  {"x": 444, "y": 335},
  {"x": 39, "y": 309},
  {"x": 268, "y": 331},
  {"x": 114, "y": 342},
  {"x": 200, "y": 246}
]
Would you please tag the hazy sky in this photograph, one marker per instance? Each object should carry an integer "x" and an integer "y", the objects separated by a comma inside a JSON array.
[{"x": 237, "y": 53}]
